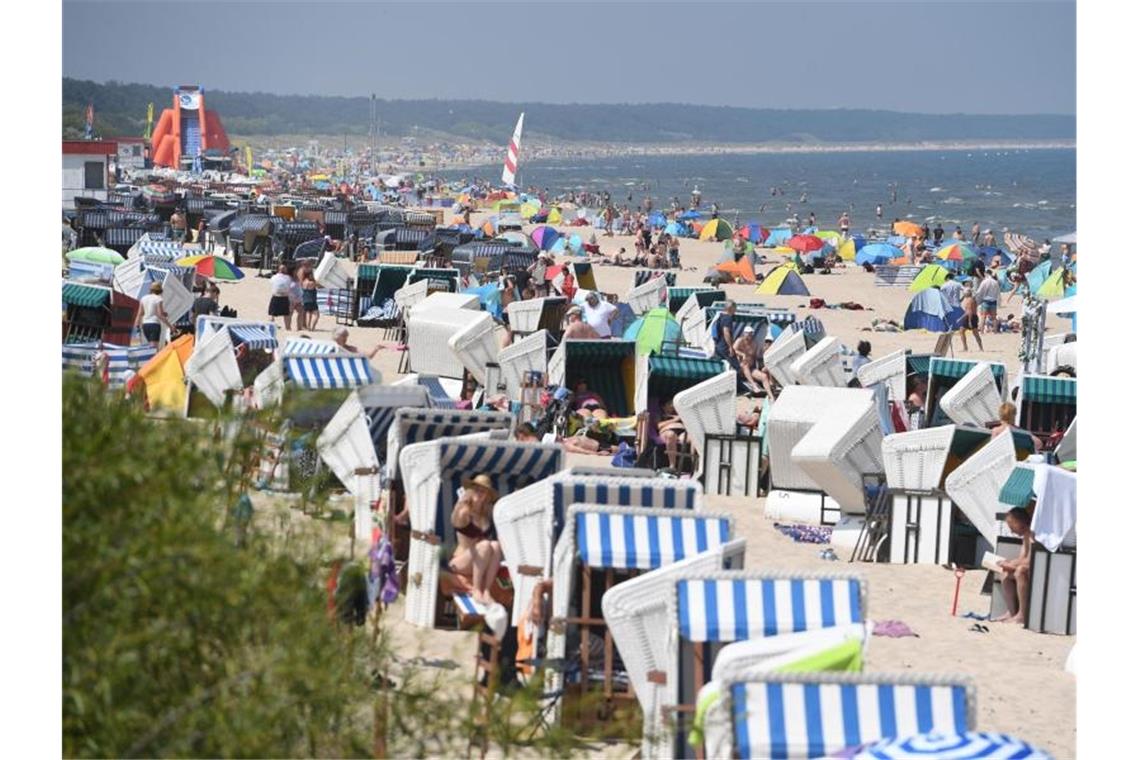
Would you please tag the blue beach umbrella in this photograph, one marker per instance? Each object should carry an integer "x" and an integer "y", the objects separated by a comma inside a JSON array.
[
  {"x": 876, "y": 253},
  {"x": 968, "y": 745},
  {"x": 778, "y": 236},
  {"x": 657, "y": 219},
  {"x": 687, "y": 215},
  {"x": 930, "y": 310}
]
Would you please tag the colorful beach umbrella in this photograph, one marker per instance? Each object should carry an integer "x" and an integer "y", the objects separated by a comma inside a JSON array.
[
  {"x": 716, "y": 229},
  {"x": 214, "y": 267},
  {"x": 805, "y": 243},
  {"x": 779, "y": 236},
  {"x": 876, "y": 254},
  {"x": 545, "y": 237},
  {"x": 931, "y": 275},
  {"x": 96, "y": 255},
  {"x": 959, "y": 746},
  {"x": 910, "y": 229},
  {"x": 956, "y": 251},
  {"x": 753, "y": 232},
  {"x": 652, "y": 330}
]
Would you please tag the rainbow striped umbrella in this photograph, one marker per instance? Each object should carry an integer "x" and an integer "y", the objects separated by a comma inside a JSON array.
[
  {"x": 956, "y": 252},
  {"x": 214, "y": 267}
]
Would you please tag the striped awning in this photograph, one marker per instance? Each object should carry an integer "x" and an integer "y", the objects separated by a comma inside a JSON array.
[
  {"x": 75, "y": 294},
  {"x": 1017, "y": 491},
  {"x": 735, "y": 609},
  {"x": 956, "y": 369},
  {"x": 642, "y": 276},
  {"x": 683, "y": 368},
  {"x": 121, "y": 236},
  {"x": 407, "y": 235},
  {"x": 633, "y": 492},
  {"x": 415, "y": 426},
  {"x": 808, "y": 326},
  {"x": 80, "y": 357},
  {"x": 304, "y": 346},
  {"x": 255, "y": 336},
  {"x": 645, "y": 542},
  {"x": 822, "y": 715},
  {"x": 426, "y": 273},
  {"x": 599, "y": 349},
  {"x": 515, "y": 260},
  {"x": 439, "y": 396},
  {"x": 332, "y": 371},
  {"x": 918, "y": 364},
  {"x": 1049, "y": 390}
]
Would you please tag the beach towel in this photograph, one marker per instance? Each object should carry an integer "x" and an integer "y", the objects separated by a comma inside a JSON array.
[
  {"x": 1055, "y": 516},
  {"x": 806, "y": 534},
  {"x": 894, "y": 629}
]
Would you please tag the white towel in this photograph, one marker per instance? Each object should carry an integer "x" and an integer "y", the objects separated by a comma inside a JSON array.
[{"x": 1055, "y": 518}]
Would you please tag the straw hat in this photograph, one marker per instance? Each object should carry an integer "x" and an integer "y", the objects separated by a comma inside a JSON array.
[{"x": 481, "y": 481}]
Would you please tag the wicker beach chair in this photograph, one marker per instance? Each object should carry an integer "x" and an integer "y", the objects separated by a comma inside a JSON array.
[
  {"x": 944, "y": 374},
  {"x": 430, "y": 331},
  {"x": 708, "y": 408},
  {"x": 890, "y": 369},
  {"x": 213, "y": 368},
  {"x": 842, "y": 449},
  {"x": 789, "y": 346},
  {"x": 475, "y": 345},
  {"x": 1046, "y": 405},
  {"x": 766, "y": 715},
  {"x": 432, "y": 474},
  {"x": 523, "y": 358},
  {"x": 600, "y": 547},
  {"x": 530, "y": 520},
  {"x": 821, "y": 365},
  {"x": 973, "y": 400},
  {"x": 609, "y": 367},
  {"x": 536, "y": 314},
  {"x": 330, "y": 272},
  {"x": 648, "y": 295},
  {"x": 976, "y": 484}
]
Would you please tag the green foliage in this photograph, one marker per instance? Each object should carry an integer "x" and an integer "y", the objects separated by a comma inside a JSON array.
[
  {"x": 193, "y": 626},
  {"x": 121, "y": 109}
]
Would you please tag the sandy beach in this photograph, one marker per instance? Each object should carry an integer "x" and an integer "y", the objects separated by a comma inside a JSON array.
[{"x": 1021, "y": 684}]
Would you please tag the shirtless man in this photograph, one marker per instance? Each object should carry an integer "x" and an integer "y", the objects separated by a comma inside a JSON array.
[
  {"x": 1015, "y": 572},
  {"x": 970, "y": 318},
  {"x": 752, "y": 362},
  {"x": 576, "y": 329}
]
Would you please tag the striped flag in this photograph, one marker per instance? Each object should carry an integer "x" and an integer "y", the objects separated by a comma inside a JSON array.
[{"x": 511, "y": 165}]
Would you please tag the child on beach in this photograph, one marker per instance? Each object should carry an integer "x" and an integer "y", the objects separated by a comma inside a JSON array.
[{"x": 309, "y": 311}]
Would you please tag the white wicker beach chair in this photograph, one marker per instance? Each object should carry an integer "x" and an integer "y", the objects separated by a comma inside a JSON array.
[
  {"x": 694, "y": 328},
  {"x": 709, "y": 407},
  {"x": 530, "y": 520},
  {"x": 269, "y": 386},
  {"x": 842, "y": 448},
  {"x": 805, "y": 715},
  {"x": 527, "y": 316},
  {"x": 522, "y": 357},
  {"x": 444, "y": 300},
  {"x": 176, "y": 299},
  {"x": 636, "y": 612},
  {"x": 430, "y": 331},
  {"x": 973, "y": 400},
  {"x": 649, "y": 295},
  {"x": 476, "y": 346},
  {"x": 789, "y": 346},
  {"x": 410, "y": 426},
  {"x": 213, "y": 368},
  {"x": 410, "y": 296},
  {"x": 889, "y": 369},
  {"x": 432, "y": 475},
  {"x": 330, "y": 273},
  {"x": 613, "y": 538},
  {"x": 976, "y": 483},
  {"x": 1067, "y": 449},
  {"x": 821, "y": 365},
  {"x": 1064, "y": 355}
]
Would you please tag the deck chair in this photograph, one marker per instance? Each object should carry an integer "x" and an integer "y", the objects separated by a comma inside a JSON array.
[
  {"x": 433, "y": 473},
  {"x": 648, "y": 295},
  {"x": 530, "y": 520},
  {"x": 600, "y": 547},
  {"x": 976, "y": 484},
  {"x": 345, "y": 445},
  {"x": 522, "y": 358},
  {"x": 973, "y": 400},
  {"x": 821, "y": 365},
  {"x": 889, "y": 369},
  {"x": 944, "y": 374},
  {"x": 711, "y": 610},
  {"x": 790, "y": 715},
  {"x": 1046, "y": 405}
]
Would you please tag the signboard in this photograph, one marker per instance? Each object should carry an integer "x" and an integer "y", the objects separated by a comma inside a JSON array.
[{"x": 189, "y": 100}]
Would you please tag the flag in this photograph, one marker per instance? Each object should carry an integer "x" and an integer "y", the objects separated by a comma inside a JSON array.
[{"x": 511, "y": 164}]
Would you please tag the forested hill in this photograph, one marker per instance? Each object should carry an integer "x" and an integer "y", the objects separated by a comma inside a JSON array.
[{"x": 120, "y": 109}]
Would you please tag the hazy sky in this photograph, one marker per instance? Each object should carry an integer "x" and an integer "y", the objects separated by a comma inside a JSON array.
[{"x": 918, "y": 55}]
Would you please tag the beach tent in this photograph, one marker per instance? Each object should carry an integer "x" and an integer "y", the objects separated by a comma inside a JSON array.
[
  {"x": 877, "y": 253},
  {"x": 753, "y": 232},
  {"x": 528, "y": 209},
  {"x": 909, "y": 229},
  {"x": 545, "y": 237},
  {"x": 571, "y": 245},
  {"x": 654, "y": 329},
  {"x": 1054, "y": 286},
  {"x": 657, "y": 220},
  {"x": 930, "y": 310},
  {"x": 778, "y": 236},
  {"x": 676, "y": 229},
  {"x": 848, "y": 249},
  {"x": 690, "y": 215},
  {"x": 1039, "y": 274},
  {"x": 555, "y": 216},
  {"x": 931, "y": 275},
  {"x": 784, "y": 280},
  {"x": 164, "y": 376},
  {"x": 716, "y": 229},
  {"x": 741, "y": 269}
]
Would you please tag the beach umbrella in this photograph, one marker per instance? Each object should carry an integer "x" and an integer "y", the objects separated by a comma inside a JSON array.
[
  {"x": 96, "y": 255},
  {"x": 877, "y": 253},
  {"x": 784, "y": 280},
  {"x": 805, "y": 243},
  {"x": 931, "y": 310},
  {"x": 753, "y": 232},
  {"x": 1016, "y": 243},
  {"x": 956, "y": 251},
  {"x": 847, "y": 250},
  {"x": 545, "y": 237},
  {"x": 653, "y": 329},
  {"x": 1053, "y": 287},
  {"x": 987, "y": 252},
  {"x": 931, "y": 275},
  {"x": 909, "y": 229},
  {"x": 214, "y": 267},
  {"x": 716, "y": 229},
  {"x": 690, "y": 215},
  {"x": 657, "y": 219},
  {"x": 778, "y": 236},
  {"x": 969, "y": 745}
]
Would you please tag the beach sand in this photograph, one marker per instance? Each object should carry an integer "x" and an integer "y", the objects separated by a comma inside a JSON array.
[{"x": 1022, "y": 688}]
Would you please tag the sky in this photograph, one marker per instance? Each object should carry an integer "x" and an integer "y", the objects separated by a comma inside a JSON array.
[{"x": 919, "y": 55}]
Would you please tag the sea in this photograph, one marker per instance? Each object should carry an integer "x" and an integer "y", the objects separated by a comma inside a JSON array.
[{"x": 1031, "y": 191}]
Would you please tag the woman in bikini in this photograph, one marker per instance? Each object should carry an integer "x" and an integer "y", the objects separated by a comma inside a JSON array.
[
  {"x": 672, "y": 432},
  {"x": 477, "y": 555}
]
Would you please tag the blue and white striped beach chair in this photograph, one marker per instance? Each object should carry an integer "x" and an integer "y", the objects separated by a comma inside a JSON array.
[
  {"x": 808, "y": 715},
  {"x": 433, "y": 473},
  {"x": 620, "y": 542},
  {"x": 530, "y": 521},
  {"x": 329, "y": 371},
  {"x": 121, "y": 360},
  {"x": 708, "y": 611}
]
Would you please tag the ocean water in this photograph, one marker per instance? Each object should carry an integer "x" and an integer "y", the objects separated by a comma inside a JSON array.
[{"x": 1027, "y": 191}]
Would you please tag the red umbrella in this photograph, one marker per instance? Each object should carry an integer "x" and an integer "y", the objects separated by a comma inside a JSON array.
[{"x": 805, "y": 243}]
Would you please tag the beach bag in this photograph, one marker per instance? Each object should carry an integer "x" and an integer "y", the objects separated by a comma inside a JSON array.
[{"x": 626, "y": 456}]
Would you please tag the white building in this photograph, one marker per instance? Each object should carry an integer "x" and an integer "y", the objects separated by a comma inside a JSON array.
[{"x": 86, "y": 166}]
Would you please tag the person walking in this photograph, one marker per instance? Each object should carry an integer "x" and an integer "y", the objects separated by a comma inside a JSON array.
[
  {"x": 152, "y": 315},
  {"x": 280, "y": 304},
  {"x": 970, "y": 318}
]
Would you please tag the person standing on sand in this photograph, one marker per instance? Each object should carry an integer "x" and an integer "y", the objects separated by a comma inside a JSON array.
[
  {"x": 279, "y": 302},
  {"x": 844, "y": 224},
  {"x": 970, "y": 318},
  {"x": 976, "y": 233},
  {"x": 938, "y": 233}
]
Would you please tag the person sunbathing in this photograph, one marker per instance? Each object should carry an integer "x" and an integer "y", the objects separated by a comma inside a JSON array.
[
  {"x": 588, "y": 404},
  {"x": 477, "y": 555},
  {"x": 751, "y": 359},
  {"x": 672, "y": 432},
  {"x": 1014, "y": 575}
]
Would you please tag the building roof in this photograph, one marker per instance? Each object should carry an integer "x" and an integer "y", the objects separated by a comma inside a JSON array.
[{"x": 90, "y": 147}]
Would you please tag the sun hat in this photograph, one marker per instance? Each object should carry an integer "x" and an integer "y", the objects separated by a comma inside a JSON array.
[
  {"x": 481, "y": 481},
  {"x": 749, "y": 328}
]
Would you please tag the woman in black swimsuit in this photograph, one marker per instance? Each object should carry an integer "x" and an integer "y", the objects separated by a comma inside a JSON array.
[{"x": 478, "y": 554}]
